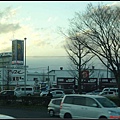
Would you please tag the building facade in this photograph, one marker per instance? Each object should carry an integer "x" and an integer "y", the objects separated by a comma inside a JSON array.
[{"x": 12, "y": 75}]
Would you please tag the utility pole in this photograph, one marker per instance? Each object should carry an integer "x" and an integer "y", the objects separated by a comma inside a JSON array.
[
  {"x": 25, "y": 67},
  {"x": 8, "y": 79},
  {"x": 48, "y": 77}
]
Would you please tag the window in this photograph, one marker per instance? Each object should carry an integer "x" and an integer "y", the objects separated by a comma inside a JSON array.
[
  {"x": 28, "y": 89},
  {"x": 58, "y": 92},
  {"x": 79, "y": 101},
  {"x": 13, "y": 78},
  {"x": 90, "y": 102},
  {"x": 105, "y": 102},
  {"x": 22, "y": 88},
  {"x": 57, "y": 102},
  {"x": 18, "y": 89},
  {"x": 105, "y": 93},
  {"x": 68, "y": 100},
  {"x": 17, "y": 78},
  {"x": 111, "y": 92}
]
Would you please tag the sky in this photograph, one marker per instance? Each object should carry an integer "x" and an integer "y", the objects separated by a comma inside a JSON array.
[{"x": 39, "y": 22}]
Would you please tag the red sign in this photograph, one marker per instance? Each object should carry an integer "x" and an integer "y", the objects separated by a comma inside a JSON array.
[{"x": 85, "y": 74}]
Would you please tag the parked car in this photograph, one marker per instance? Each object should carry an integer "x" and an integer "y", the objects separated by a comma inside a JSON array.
[
  {"x": 44, "y": 93},
  {"x": 110, "y": 89},
  {"x": 7, "y": 117},
  {"x": 88, "y": 106},
  {"x": 69, "y": 91},
  {"x": 24, "y": 91},
  {"x": 57, "y": 93},
  {"x": 54, "y": 107},
  {"x": 52, "y": 89},
  {"x": 108, "y": 93},
  {"x": 7, "y": 93},
  {"x": 95, "y": 92}
]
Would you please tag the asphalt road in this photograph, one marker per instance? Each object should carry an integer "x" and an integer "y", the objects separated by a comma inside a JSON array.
[{"x": 25, "y": 113}]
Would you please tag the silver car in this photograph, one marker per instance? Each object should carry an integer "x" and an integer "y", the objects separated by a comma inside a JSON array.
[
  {"x": 54, "y": 107},
  {"x": 57, "y": 93},
  {"x": 78, "y": 106}
]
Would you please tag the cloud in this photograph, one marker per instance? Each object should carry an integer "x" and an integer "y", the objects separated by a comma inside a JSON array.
[
  {"x": 5, "y": 28},
  {"x": 7, "y": 14},
  {"x": 39, "y": 40},
  {"x": 5, "y": 25}
]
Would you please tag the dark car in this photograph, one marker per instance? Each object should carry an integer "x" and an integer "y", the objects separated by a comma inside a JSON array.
[
  {"x": 54, "y": 107},
  {"x": 7, "y": 93}
]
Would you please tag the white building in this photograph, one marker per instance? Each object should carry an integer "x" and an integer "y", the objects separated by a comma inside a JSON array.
[{"x": 14, "y": 75}]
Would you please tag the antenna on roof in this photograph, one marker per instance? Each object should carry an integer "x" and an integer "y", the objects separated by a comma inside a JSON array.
[{"x": 12, "y": 36}]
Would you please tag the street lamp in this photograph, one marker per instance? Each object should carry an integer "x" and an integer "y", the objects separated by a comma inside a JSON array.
[{"x": 25, "y": 68}]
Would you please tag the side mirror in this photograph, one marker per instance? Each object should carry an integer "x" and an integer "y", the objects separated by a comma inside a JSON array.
[{"x": 94, "y": 105}]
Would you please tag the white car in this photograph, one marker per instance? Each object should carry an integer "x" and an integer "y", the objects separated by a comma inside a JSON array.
[
  {"x": 24, "y": 91},
  {"x": 108, "y": 93},
  {"x": 55, "y": 93},
  {"x": 43, "y": 93},
  {"x": 54, "y": 107},
  {"x": 88, "y": 107},
  {"x": 7, "y": 117}
]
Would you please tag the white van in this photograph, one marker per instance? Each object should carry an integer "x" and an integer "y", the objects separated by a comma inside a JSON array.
[
  {"x": 110, "y": 89},
  {"x": 24, "y": 91}
]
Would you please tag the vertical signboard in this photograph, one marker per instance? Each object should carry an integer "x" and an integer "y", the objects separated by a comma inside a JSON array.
[{"x": 18, "y": 52}]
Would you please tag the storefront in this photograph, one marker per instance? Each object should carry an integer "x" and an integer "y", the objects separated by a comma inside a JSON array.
[{"x": 66, "y": 83}]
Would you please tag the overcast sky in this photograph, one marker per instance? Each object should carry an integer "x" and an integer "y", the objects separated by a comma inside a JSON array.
[{"x": 38, "y": 22}]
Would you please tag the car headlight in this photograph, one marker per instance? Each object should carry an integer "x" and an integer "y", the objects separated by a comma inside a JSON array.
[{"x": 113, "y": 114}]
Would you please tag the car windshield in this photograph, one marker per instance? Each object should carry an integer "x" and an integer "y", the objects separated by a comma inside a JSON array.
[{"x": 105, "y": 102}]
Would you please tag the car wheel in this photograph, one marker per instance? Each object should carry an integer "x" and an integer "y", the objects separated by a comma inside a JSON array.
[
  {"x": 67, "y": 115},
  {"x": 102, "y": 118},
  {"x": 51, "y": 113}
]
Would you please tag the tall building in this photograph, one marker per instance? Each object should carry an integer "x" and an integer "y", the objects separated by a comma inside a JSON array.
[{"x": 18, "y": 52}]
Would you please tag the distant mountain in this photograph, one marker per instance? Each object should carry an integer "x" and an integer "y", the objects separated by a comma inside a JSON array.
[
  {"x": 42, "y": 62},
  {"x": 54, "y": 63}
]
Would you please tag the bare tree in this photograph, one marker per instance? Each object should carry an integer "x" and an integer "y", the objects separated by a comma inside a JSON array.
[
  {"x": 101, "y": 26},
  {"x": 78, "y": 55}
]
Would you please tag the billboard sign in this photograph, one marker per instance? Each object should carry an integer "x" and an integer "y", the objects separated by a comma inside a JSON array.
[{"x": 18, "y": 52}]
